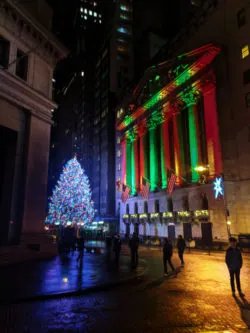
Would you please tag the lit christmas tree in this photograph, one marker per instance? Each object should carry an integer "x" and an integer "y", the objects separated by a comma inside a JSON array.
[{"x": 71, "y": 199}]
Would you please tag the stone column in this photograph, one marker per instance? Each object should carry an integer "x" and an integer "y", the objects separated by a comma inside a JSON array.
[
  {"x": 128, "y": 162},
  {"x": 165, "y": 153},
  {"x": 123, "y": 166},
  {"x": 142, "y": 152},
  {"x": 35, "y": 196},
  {"x": 212, "y": 130},
  {"x": 177, "y": 155}
]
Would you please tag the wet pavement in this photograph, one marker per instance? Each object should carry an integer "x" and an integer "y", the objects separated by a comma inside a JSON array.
[
  {"x": 63, "y": 274},
  {"x": 197, "y": 300}
]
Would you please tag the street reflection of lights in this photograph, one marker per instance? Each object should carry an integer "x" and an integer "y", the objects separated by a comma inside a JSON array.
[{"x": 65, "y": 280}]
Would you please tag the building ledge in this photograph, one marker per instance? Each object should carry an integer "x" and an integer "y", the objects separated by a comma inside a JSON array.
[{"x": 18, "y": 92}]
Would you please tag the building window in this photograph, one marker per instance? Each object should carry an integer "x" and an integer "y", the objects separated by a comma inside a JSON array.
[
  {"x": 118, "y": 153},
  {"x": 247, "y": 98},
  {"x": 22, "y": 65},
  {"x": 245, "y": 51},
  {"x": 4, "y": 52},
  {"x": 246, "y": 77},
  {"x": 90, "y": 13},
  {"x": 85, "y": 11},
  {"x": 123, "y": 30},
  {"x": 118, "y": 167},
  {"x": 124, "y": 17},
  {"x": 118, "y": 140},
  {"x": 124, "y": 8},
  {"x": 81, "y": 10},
  {"x": 241, "y": 17}
]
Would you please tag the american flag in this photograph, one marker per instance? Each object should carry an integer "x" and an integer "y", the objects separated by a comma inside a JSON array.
[
  {"x": 171, "y": 183},
  {"x": 125, "y": 192},
  {"x": 145, "y": 188}
]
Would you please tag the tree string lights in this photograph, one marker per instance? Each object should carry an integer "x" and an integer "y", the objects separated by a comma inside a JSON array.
[{"x": 71, "y": 198}]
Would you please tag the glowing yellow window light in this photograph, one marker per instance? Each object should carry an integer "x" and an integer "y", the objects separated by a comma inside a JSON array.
[{"x": 245, "y": 51}]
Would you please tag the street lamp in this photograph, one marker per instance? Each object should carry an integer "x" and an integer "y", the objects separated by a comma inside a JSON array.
[{"x": 200, "y": 169}]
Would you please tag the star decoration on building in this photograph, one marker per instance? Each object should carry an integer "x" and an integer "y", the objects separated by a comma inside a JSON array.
[{"x": 218, "y": 187}]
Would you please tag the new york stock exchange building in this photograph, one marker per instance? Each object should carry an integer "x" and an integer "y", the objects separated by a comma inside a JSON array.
[{"x": 177, "y": 121}]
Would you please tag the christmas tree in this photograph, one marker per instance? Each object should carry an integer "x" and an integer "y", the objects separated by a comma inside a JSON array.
[{"x": 71, "y": 199}]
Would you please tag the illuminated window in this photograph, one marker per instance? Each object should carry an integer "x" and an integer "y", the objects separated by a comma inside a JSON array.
[
  {"x": 118, "y": 153},
  {"x": 81, "y": 10},
  {"x": 124, "y": 17},
  {"x": 95, "y": 4},
  {"x": 90, "y": 13},
  {"x": 118, "y": 140},
  {"x": 244, "y": 52},
  {"x": 100, "y": 21},
  {"x": 85, "y": 11},
  {"x": 124, "y": 8},
  {"x": 95, "y": 14},
  {"x": 119, "y": 167},
  {"x": 123, "y": 30},
  {"x": 100, "y": 15},
  {"x": 85, "y": 17}
]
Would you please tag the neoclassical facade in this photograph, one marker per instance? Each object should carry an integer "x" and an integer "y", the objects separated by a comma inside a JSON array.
[
  {"x": 171, "y": 124},
  {"x": 29, "y": 53}
]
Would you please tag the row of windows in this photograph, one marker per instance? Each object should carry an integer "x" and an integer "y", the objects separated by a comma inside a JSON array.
[
  {"x": 90, "y": 12},
  {"x": 185, "y": 205},
  {"x": 21, "y": 61}
]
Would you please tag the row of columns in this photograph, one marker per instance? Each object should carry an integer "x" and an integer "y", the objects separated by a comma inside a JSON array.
[{"x": 135, "y": 154}]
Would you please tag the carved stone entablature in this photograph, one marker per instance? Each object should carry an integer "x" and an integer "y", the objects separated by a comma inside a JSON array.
[
  {"x": 36, "y": 37},
  {"x": 178, "y": 70},
  {"x": 155, "y": 120}
]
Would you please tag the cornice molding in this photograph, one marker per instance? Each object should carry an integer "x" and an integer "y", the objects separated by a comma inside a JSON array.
[{"x": 19, "y": 93}]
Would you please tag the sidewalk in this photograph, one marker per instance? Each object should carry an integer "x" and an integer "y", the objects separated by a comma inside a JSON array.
[{"x": 62, "y": 276}]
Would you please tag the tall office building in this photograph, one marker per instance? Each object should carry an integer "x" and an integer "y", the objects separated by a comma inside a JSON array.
[
  {"x": 74, "y": 85},
  {"x": 113, "y": 73}
]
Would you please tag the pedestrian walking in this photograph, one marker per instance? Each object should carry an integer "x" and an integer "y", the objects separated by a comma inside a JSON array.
[
  {"x": 234, "y": 264},
  {"x": 108, "y": 246},
  {"x": 117, "y": 244},
  {"x": 181, "y": 245},
  {"x": 80, "y": 245},
  {"x": 134, "y": 245},
  {"x": 167, "y": 255}
]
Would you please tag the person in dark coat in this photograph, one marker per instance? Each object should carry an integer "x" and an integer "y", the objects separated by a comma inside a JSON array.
[
  {"x": 117, "y": 244},
  {"x": 167, "y": 254},
  {"x": 234, "y": 264},
  {"x": 181, "y": 245},
  {"x": 108, "y": 246},
  {"x": 134, "y": 245}
]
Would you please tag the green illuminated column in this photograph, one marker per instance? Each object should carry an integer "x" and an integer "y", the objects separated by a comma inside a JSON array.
[
  {"x": 128, "y": 162},
  {"x": 193, "y": 141},
  {"x": 133, "y": 171},
  {"x": 153, "y": 160}
]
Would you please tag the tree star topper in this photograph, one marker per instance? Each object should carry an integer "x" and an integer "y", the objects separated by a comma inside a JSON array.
[{"x": 218, "y": 187}]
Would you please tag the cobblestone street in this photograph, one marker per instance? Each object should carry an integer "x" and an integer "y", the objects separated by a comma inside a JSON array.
[{"x": 198, "y": 300}]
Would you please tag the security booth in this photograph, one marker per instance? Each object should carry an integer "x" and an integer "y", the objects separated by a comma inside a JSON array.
[
  {"x": 155, "y": 217},
  {"x": 126, "y": 221},
  {"x": 134, "y": 218}
]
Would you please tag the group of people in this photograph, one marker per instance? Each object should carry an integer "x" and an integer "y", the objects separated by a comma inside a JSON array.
[
  {"x": 116, "y": 243},
  {"x": 69, "y": 238},
  {"x": 233, "y": 260}
]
